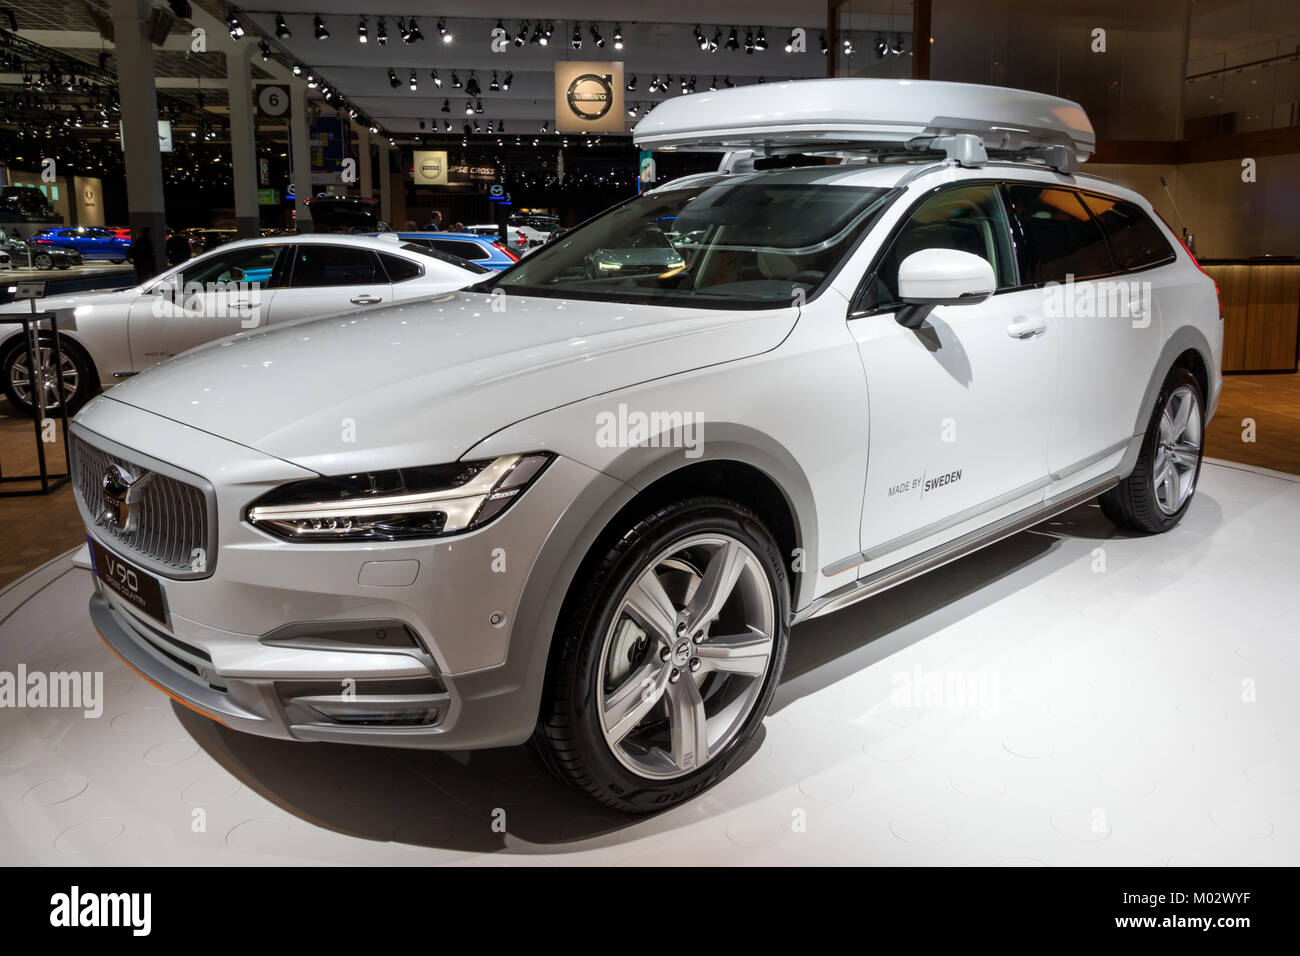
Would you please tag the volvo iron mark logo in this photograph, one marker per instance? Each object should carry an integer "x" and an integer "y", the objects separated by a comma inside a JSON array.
[
  {"x": 117, "y": 495},
  {"x": 431, "y": 168},
  {"x": 591, "y": 95}
]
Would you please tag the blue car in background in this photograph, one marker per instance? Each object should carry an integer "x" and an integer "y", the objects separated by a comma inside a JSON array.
[
  {"x": 91, "y": 241},
  {"x": 485, "y": 251}
]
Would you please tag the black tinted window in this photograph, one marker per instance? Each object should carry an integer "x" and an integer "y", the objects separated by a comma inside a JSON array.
[
  {"x": 1135, "y": 241},
  {"x": 318, "y": 265},
  {"x": 460, "y": 248},
  {"x": 1060, "y": 238},
  {"x": 968, "y": 219},
  {"x": 399, "y": 269}
]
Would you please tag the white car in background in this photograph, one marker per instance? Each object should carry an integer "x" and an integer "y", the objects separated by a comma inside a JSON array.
[
  {"x": 522, "y": 235},
  {"x": 583, "y": 508},
  {"x": 248, "y": 284}
]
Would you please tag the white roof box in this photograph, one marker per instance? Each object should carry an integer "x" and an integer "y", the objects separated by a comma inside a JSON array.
[{"x": 850, "y": 113}]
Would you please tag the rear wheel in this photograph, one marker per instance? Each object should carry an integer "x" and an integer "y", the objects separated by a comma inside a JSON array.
[
  {"x": 1157, "y": 494},
  {"x": 667, "y": 658}
]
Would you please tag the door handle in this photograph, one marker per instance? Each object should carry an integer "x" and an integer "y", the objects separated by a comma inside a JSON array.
[
  {"x": 366, "y": 299},
  {"x": 1023, "y": 328}
]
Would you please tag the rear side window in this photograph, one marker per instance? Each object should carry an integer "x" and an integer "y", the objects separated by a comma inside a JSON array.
[
  {"x": 1135, "y": 241},
  {"x": 1060, "y": 238},
  {"x": 324, "y": 265},
  {"x": 458, "y": 247},
  {"x": 399, "y": 269}
]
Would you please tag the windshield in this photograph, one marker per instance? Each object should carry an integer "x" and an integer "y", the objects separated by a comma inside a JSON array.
[{"x": 732, "y": 242}]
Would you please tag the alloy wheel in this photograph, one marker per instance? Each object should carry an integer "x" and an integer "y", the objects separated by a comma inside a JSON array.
[
  {"x": 47, "y": 379},
  {"x": 1178, "y": 450},
  {"x": 686, "y": 657}
]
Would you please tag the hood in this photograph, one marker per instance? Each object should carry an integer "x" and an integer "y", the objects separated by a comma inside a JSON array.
[
  {"x": 66, "y": 304},
  {"x": 422, "y": 382}
]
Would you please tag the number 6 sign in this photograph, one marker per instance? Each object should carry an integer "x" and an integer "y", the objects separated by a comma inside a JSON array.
[{"x": 273, "y": 101}]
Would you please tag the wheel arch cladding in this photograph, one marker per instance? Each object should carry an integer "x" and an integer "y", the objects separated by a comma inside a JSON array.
[{"x": 1187, "y": 348}]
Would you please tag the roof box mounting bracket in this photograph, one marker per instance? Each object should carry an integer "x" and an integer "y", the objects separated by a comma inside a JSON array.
[
  {"x": 1060, "y": 158},
  {"x": 965, "y": 149}
]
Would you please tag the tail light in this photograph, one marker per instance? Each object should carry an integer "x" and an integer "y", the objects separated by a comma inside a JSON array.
[
  {"x": 1217, "y": 297},
  {"x": 506, "y": 250}
]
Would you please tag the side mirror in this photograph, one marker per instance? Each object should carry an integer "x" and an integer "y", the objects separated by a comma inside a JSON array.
[{"x": 933, "y": 277}]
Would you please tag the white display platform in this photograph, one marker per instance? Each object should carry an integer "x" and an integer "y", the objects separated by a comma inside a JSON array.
[{"x": 1142, "y": 714}]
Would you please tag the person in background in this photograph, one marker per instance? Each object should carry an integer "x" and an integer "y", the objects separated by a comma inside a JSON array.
[
  {"x": 409, "y": 226},
  {"x": 458, "y": 227},
  {"x": 142, "y": 255},
  {"x": 178, "y": 249},
  {"x": 435, "y": 222}
]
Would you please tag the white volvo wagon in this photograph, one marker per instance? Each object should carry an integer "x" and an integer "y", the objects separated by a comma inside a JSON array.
[{"x": 582, "y": 503}]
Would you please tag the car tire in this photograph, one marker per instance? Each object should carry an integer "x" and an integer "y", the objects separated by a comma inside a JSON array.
[
  {"x": 43, "y": 261},
  {"x": 1156, "y": 495},
  {"x": 610, "y": 666},
  {"x": 13, "y": 374}
]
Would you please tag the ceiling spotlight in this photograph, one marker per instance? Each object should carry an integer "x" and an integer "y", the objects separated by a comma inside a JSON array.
[
  {"x": 501, "y": 126},
  {"x": 403, "y": 30},
  {"x": 732, "y": 43},
  {"x": 472, "y": 87},
  {"x": 393, "y": 81},
  {"x": 507, "y": 80},
  {"x": 265, "y": 49},
  {"x": 437, "y": 80},
  {"x": 700, "y": 40},
  {"x": 495, "y": 85},
  {"x": 899, "y": 45},
  {"x": 233, "y": 25},
  {"x": 538, "y": 36},
  {"x": 281, "y": 28},
  {"x": 618, "y": 36},
  {"x": 823, "y": 44},
  {"x": 374, "y": 130},
  {"x": 381, "y": 32},
  {"x": 477, "y": 127},
  {"x": 297, "y": 69},
  {"x": 478, "y": 107},
  {"x": 319, "y": 29},
  {"x": 469, "y": 108},
  {"x": 442, "y": 30},
  {"x": 715, "y": 40},
  {"x": 414, "y": 82},
  {"x": 362, "y": 31},
  {"x": 421, "y": 124},
  {"x": 446, "y": 106},
  {"x": 726, "y": 81},
  {"x": 413, "y": 29},
  {"x": 446, "y": 125},
  {"x": 522, "y": 36},
  {"x": 749, "y": 41},
  {"x": 577, "y": 38},
  {"x": 631, "y": 83},
  {"x": 596, "y": 38},
  {"x": 881, "y": 45},
  {"x": 654, "y": 85},
  {"x": 456, "y": 84},
  {"x": 760, "y": 44},
  {"x": 631, "y": 111},
  {"x": 713, "y": 84},
  {"x": 543, "y": 126},
  {"x": 789, "y": 44}
]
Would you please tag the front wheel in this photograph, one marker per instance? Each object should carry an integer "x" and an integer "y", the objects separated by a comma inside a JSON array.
[
  {"x": 667, "y": 657},
  {"x": 1157, "y": 494},
  {"x": 74, "y": 374},
  {"x": 43, "y": 261}
]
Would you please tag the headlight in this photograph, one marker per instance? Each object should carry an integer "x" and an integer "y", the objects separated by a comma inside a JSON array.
[{"x": 403, "y": 503}]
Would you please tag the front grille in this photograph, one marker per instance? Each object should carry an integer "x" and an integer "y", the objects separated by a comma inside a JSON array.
[{"x": 169, "y": 526}]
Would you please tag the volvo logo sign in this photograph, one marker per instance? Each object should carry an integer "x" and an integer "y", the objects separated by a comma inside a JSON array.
[
  {"x": 431, "y": 168},
  {"x": 118, "y": 491},
  {"x": 590, "y": 95}
]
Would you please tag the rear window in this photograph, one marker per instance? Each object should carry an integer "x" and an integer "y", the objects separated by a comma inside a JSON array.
[
  {"x": 1060, "y": 237},
  {"x": 460, "y": 248},
  {"x": 399, "y": 269},
  {"x": 1135, "y": 241}
]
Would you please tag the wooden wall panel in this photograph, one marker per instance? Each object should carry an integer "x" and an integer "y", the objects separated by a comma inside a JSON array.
[{"x": 1261, "y": 315}]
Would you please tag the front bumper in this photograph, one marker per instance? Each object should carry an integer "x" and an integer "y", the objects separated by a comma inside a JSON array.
[{"x": 278, "y": 639}]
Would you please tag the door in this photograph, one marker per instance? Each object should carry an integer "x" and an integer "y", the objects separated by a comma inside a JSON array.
[
  {"x": 959, "y": 408},
  {"x": 327, "y": 278},
  {"x": 1074, "y": 244},
  {"x": 95, "y": 243},
  {"x": 219, "y": 294}
]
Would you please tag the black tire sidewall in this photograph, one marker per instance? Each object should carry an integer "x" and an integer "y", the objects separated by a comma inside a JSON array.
[{"x": 633, "y": 792}]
